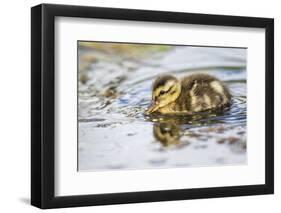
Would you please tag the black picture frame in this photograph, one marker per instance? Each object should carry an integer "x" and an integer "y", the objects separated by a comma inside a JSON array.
[{"x": 43, "y": 105}]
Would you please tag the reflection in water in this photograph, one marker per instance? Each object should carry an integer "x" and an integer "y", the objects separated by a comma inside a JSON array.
[
  {"x": 166, "y": 133},
  {"x": 114, "y": 133},
  {"x": 171, "y": 131}
]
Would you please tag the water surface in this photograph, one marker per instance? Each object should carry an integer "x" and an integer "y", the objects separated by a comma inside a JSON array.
[{"x": 115, "y": 89}]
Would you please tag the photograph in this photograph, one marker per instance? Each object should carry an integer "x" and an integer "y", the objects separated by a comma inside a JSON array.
[
  {"x": 152, "y": 106},
  {"x": 139, "y": 105}
]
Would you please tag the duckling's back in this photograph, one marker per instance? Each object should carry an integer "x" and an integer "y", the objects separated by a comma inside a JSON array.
[{"x": 202, "y": 92}]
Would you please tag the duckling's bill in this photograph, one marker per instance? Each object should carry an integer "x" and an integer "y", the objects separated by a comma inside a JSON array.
[{"x": 152, "y": 108}]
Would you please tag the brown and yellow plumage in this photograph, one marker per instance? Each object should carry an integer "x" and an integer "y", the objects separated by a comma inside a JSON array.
[{"x": 195, "y": 93}]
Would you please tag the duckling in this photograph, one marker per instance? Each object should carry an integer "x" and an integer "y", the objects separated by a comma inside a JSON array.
[{"x": 194, "y": 93}]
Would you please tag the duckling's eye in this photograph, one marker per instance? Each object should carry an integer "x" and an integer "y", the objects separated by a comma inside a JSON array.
[{"x": 162, "y": 92}]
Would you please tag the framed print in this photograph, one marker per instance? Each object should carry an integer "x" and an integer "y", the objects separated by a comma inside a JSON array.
[{"x": 139, "y": 106}]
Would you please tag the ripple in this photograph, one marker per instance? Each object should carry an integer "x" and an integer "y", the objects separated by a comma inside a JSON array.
[{"x": 135, "y": 100}]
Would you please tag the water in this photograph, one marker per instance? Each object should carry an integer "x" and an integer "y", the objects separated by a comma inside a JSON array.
[{"x": 114, "y": 91}]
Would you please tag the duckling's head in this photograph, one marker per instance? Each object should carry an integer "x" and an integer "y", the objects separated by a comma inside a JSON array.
[{"x": 165, "y": 90}]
